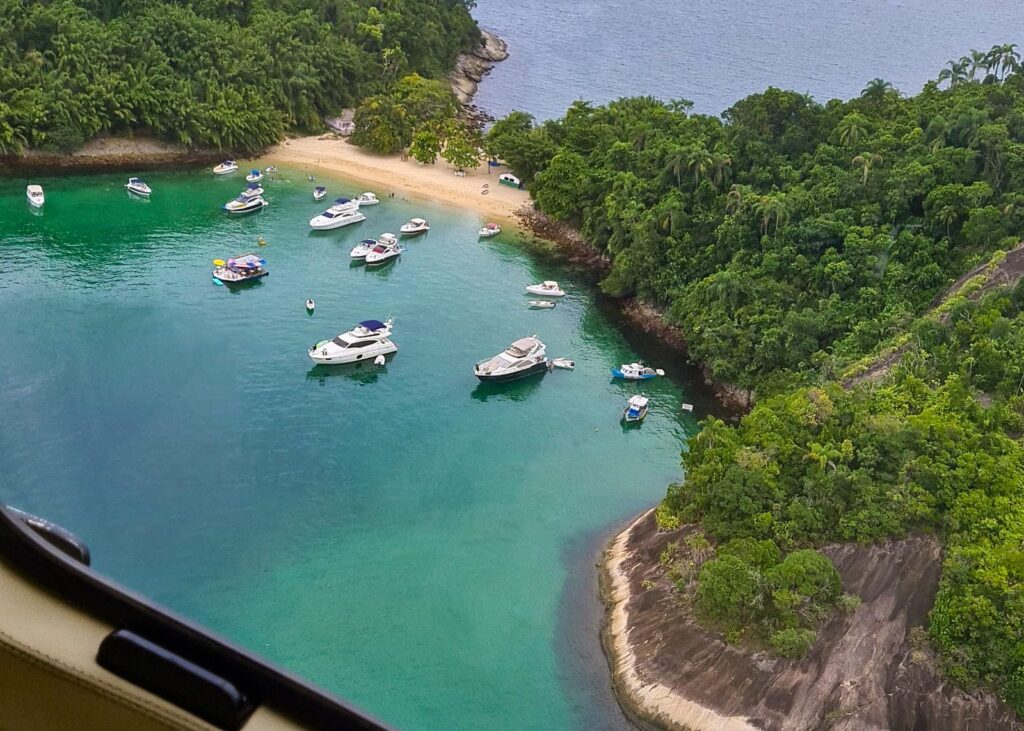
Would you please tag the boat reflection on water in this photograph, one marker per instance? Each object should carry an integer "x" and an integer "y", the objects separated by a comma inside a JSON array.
[
  {"x": 363, "y": 373},
  {"x": 518, "y": 390}
]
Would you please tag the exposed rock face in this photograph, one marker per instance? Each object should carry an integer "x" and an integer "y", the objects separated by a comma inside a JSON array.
[
  {"x": 112, "y": 153},
  {"x": 863, "y": 672},
  {"x": 470, "y": 68}
]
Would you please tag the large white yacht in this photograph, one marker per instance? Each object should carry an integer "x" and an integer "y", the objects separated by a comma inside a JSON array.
[
  {"x": 522, "y": 358},
  {"x": 342, "y": 213},
  {"x": 365, "y": 341}
]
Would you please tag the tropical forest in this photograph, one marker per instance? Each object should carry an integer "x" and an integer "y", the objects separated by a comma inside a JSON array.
[
  {"x": 226, "y": 74},
  {"x": 850, "y": 264}
]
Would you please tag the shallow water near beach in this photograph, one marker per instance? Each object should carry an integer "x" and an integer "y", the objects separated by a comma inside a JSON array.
[
  {"x": 403, "y": 536},
  {"x": 715, "y": 53}
]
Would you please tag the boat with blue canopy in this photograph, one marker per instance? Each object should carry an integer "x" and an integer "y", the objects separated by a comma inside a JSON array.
[
  {"x": 636, "y": 372},
  {"x": 245, "y": 268},
  {"x": 252, "y": 190},
  {"x": 255, "y": 175},
  {"x": 366, "y": 341},
  {"x": 636, "y": 409}
]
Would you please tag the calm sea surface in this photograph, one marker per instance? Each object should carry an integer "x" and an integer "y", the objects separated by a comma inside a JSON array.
[
  {"x": 715, "y": 53},
  {"x": 403, "y": 536}
]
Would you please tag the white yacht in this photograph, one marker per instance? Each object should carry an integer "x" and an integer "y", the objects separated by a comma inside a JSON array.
[
  {"x": 367, "y": 199},
  {"x": 35, "y": 196},
  {"x": 364, "y": 247},
  {"x": 244, "y": 204},
  {"x": 546, "y": 289},
  {"x": 522, "y": 358},
  {"x": 226, "y": 167},
  {"x": 252, "y": 189},
  {"x": 489, "y": 231},
  {"x": 255, "y": 175},
  {"x": 365, "y": 341},
  {"x": 136, "y": 186},
  {"x": 384, "y": 251},
  {"x": 341, "y": 213},
  {"x": 414, "y": 226}
]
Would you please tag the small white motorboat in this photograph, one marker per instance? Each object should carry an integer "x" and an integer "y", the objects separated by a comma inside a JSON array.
[
  {"x": 136, "y": 186},
  {"x": 563, "y": 363},
  {"x": 636, "y": 372},
  {"x": 491, "y": 229},
  {"x": 636, "y": 409},
  {"x": 380, "y": 360},
  {"x": 367, "y": 340},
  {"x": 364, "y": 247},
  {"x": 541, "y": 305},
  {"x": 255, "y": 175},
  {"x": 319, "y": 193},
  {"x": 383, "y": 252},
  {"x": 239, "y": 269},
  {"x": 271, "y": 169},
  {"x": 252, "y": 189},
  {"x": 34, "y": 194},
  {"x": 546, "y": 289},
  {"x": 226, "y": 167},
  {"x": 244, "y": 204},
  {"x": 367, "y": 199},
  {"x": 414, "y": 226},
  {"x": 525, "y": 357},
  {"x": 310, "y": 306}
]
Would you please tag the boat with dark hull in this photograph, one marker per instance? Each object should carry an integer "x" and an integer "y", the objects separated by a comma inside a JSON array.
[{"x": 523, "y": 358}]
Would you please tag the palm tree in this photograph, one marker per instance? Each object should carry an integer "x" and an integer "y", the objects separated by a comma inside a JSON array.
[
  {"x": 876, "y": 89},
  {"x": 720, "y": 166},
  {"x": 734, "y": 201},
  {"x": 955, "y": 73},
  {"x": 699, "y": 160},
  {"x": 948, "y": 215},
  {"x": 866, "y": 160},
  {"x": 977, "y": 60},
  {"x": 851, "y": 129},
  {"x": 773, "y": 206},
  {"x": 675, "y": 164}
]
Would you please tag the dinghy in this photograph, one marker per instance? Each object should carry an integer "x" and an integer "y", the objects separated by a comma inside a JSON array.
[
  {"x": 540, "y": 305},
  {"x": 563, "y": 363},
  {"x": 310, "y": 306},
  {"x": 488, "y": 231}
]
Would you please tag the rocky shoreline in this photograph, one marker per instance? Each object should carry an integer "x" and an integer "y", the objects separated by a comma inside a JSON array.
[
  {"x": 470, "y": 69},
  {"x": 869, "y": 669},
  {"x": 107, "y": 153}
]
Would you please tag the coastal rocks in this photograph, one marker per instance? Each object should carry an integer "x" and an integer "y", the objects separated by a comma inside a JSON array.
[
  {"x": 470, "y": 68},
  {"x": 111, "y": 153},
  {"x": 867, "y": 669}
]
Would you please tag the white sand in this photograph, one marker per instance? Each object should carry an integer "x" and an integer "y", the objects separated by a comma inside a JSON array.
[{"x": 384, "y": 175}]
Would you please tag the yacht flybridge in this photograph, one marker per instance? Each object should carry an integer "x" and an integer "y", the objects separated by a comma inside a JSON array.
[
  {"x": 525, "y": 357},
  {"x": 366, "y": 341}
]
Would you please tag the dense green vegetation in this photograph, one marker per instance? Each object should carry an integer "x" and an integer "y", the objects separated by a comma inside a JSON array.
[
  {"x": 225, "y": 73},
  {"x": 787, "y": 235},
  {"x": 795, "y": 243}
]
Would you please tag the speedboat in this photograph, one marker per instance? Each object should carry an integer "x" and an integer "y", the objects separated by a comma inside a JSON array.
[
  {"x": 310, "y": 305},
  {"x": 228, "y": 166},
  {"x": 384, "y": 251},
  {"x": 255, "y": 175},
  {"x": 271, "y": 169},
  {"x": 332, "y": 218},
  {"x": 246, "y": 268},
  {"x": 365, "y": 341},
  {"x": 364, "y": 247},
  {"x": 636, "y": 372},
  {"x": 540, "y": 305},
  {"x": 546, "y": 289},
  {"x": 636, "y": 409},
  {"x": 319, "y": 193},
  {"x": 491, "y": 229},
  {"x": 245, "y": 204},
  {"x": 563, "y": 363},
  {"x": 525, "y": 357},
  {"x": 367, "y": 199},
  {"x": 414, "y": 226},
  {"x": 136, "y": 186},
  {"x": 252, "y": 189},
  {"x": 35, "y": 196}
]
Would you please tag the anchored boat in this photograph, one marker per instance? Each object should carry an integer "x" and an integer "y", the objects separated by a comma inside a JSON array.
[
  {"x": 525, "y": 357},
  {"x": 414, "y": 227},
  {"x": 636, "y": 372},
  {"x": 226, "y": 167},
  {"x": 245, "y": 204},
  {"x": 636, "y": 410},
  {"x": 136, "y": 186},
  {"x": 366, "y": 341},
  {"x": 35, "y": 196},
  {"x": 546, "y": 289},
  {"x": 245, "y": 268}
]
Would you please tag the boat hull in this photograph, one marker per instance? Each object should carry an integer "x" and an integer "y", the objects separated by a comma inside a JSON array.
[
  {"x": 334, "y": 223},
  {"x": 137, "y": 191},
  {"x": 533, "y": 370},
  {"x": 318, "y": 357},
  {"x": 35, "y": 202},
  {"x": 243, "y": 211},
  {"x": 414, "y": 232},
  {"x": 246, "y": 280},
  {"x": 645, "y": 377}
]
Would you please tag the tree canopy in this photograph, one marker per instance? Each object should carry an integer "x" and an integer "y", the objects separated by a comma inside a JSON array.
[{"x": 220, "y": 73}]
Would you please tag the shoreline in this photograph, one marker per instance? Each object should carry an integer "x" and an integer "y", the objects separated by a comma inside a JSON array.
[
  {"x": 650, "y": 705},
  {"x": 435, "y": 182}
]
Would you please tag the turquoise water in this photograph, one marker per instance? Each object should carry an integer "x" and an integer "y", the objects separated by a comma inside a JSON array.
[
  {"x": 402, "y": 536},
  {"x": 715, "y": 53}
]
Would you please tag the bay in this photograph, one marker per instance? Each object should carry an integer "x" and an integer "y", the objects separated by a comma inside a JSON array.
[
  {"x": 405, "y": 537},
  {"x": 715, "y": 53}
]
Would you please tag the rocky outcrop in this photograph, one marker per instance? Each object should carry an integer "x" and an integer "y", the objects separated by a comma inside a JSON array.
[
  {"x": 869, "y": 669},
  {"x": 111, "y": 153},
  {"x": 470, "y": 68}
]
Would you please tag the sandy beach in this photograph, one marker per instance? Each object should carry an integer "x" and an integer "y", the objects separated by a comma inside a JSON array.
[{"x": 384, "y": 175}]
